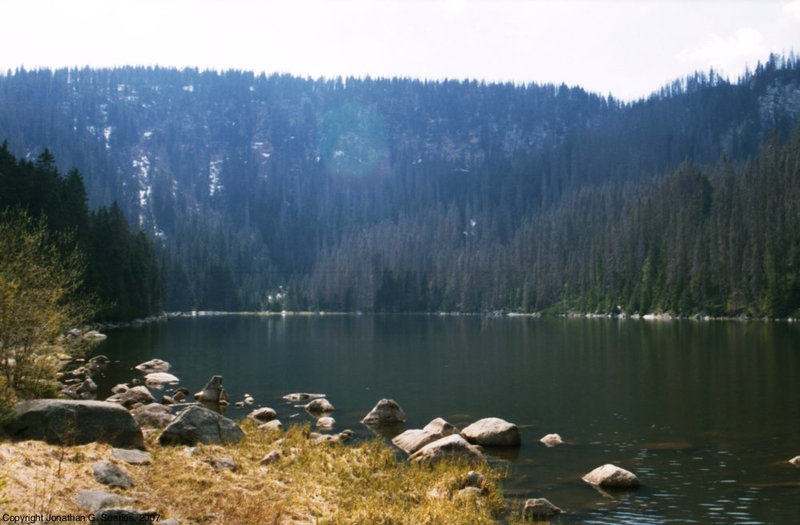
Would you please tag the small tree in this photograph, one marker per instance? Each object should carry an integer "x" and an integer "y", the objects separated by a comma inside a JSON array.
[{"x": 40, "y": 277}]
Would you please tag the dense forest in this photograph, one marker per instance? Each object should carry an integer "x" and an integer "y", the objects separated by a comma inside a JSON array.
[
  {"x": 272, "y": 191},
  {"x": 121, "y": 268}
]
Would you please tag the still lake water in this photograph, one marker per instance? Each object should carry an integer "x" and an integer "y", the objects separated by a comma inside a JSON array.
[{"x": 705, "y": 413}]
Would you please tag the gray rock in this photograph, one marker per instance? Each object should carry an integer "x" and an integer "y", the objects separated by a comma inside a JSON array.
[
  {"x": 275, "y": 424},
  {"x": 320, "y": 406},
  {"x": 154, "y": 365},
  {"x": 159, "y": 379},
  {"x": 263, "y": 414},
  {"x": 213, "y": 391},
  {"x": 301, "y": 396},
  {"x": 450, "y": 447},
  {"x": 197, "y": 424},
  {"x": 86, "y": 389},
  {"x": 474, "y": 479},
  {"x": 539, "y": 508},
  {"x": 468, "y": 493},
  {"x": 120, "y": 388},
  {"x": 552, "y": 440},
  {"x": 153, "y": 415},
  {"x": 94, "y": 335},
  {"x": 132, "y": 456},
  {"x": 67, "y": 422},
  {"x": 492, "y": 432},
  {"x": 110, "y": 474},
  {"x": 341, "y": 437},
  {"x": 270, "y": 458},
  {"x": 167, "y": 400},
  {"x": 385, "y": 413},
  {"x": 412, "y": 440},
  {"x": 224, "y": 463},
  {"x": 326, "y": 422},
  {"x": 93, "y": 500},
  {"x": 138, "y": 395},
  {"x": 611, "y": 476},
  {"x": 180, "y": 394}
]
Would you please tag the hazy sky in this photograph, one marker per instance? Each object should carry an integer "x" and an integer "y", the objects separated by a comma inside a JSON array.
[{"x": 625, "y": 47}]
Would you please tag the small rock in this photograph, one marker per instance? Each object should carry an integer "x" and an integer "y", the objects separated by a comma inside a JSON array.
[
  {"x": 263, "y": 414},
  {"x": 385, "y": 413},
  {"x": 133, "y": 396},
  {"x": 248, "y": 400},
  {"x": 154, "y": 365},
  {"x": 412, "y": 440},
  {"x": 93, "y": 500},
  {"x": 450, "y": 447},
  {"x": 213, "y": 391},
  {"x": 94, "y": 335},
  {"x": 159, "y": 378},
  {"x": 320, "y": 405},
  {"x": 795, "y": 461},
  {"x": 468, "y": 493},
  {"x": 341, "y": 437},
  {"x": 474, "y": 479},
  {"x": 539, "y": 508},
  {"x": 110, "y": 474},
  {"x": 326, "y": 422},
  {"x": 120, "y": 388},
  {"x": 167, "y": 400},
  {"x": 270, "y": 458},
  {"x": 275, "y": 424},
  {"x": 132, "y": 456},
  {"x": 492, "y": 432},
  {"x": 301, "y": 396},
  {"x": 551, "y": 440},
  {"x": 224, "y": 463},
  {"x": 239, "y": 404},
  {"x": 180, "y": 394},
  {"x": 100, "y": 360},
  {"x": 612, "y": 477}
]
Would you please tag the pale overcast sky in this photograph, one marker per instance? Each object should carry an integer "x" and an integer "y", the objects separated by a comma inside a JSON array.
[{"x": 628, "y": 48}]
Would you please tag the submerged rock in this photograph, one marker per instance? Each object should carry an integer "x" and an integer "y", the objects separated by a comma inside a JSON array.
[
  {"x": 158, "y": 379},
  {"x": 301, "y": 396},
  {"x": 263, "y": 414},
  {"x": 539, "y": 508},
  {"x": 552, "y": 440},
  {"x": 326, "y": 422},
  {"x": 492, "y": 432},
  {"x": 385, "y": 413},
  {"x": 612, "y": 477}
]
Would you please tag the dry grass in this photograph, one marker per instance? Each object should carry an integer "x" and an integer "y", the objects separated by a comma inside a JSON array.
[{"x": 311, "y": 483}]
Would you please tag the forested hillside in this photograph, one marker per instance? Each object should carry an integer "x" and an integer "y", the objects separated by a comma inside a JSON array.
[
  {"x": 121, "y": 268},
  {"x": 406, "y": 195}
]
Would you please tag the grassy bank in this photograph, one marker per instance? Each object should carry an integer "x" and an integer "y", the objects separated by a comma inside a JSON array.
[{"x": 310, "y": 483}]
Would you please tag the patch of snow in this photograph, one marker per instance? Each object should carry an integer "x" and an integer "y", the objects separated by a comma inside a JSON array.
[
  {"x": 147, "y": 134},
  {"x": 189, "y": 88},
  {"x": 142, "y": 164},
  {"x": 267, "y": 155},
  {"x": 107, "y": 135},
  {"x": 338, "y": 153},
  {"x": 214, "y": 171}
]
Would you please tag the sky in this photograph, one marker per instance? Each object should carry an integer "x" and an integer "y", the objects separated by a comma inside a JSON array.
[{"x": 626, "y": 48}]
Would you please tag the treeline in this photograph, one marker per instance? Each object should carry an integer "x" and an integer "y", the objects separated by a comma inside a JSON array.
[
  {"x": 271, "y": 191},
  {"x": 720, "y": 240},
  {"x": 121, "y": 267}
]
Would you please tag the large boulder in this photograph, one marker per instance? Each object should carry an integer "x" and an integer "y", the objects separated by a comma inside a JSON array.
[
  {"x": 213, "y": 392},
  {"x": 412, "y": 440},
  {"x": 450, "y": 447},
  {"x": 197, "y": 424},
  {"x": 611, "y": 476},
  {"x": 68, "y": 422},
  {"x": 536, "y": 508},
  {"x": 385, "y": 413},
  {"x": 492, "y": 432}
]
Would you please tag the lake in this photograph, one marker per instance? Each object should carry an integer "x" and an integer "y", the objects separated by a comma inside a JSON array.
[{"x": 707, "y": 414}]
